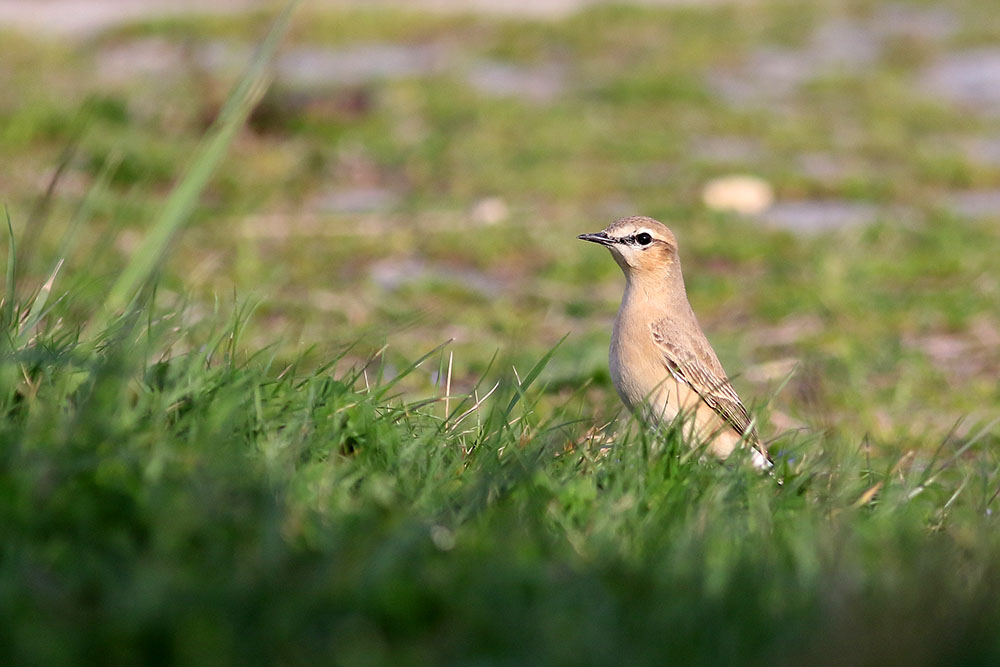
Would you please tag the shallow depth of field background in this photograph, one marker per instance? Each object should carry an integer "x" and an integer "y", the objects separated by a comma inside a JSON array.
[{"x": 419, "y": 174}]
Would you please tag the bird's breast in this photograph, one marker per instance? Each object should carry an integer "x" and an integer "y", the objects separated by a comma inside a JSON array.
[{"x": 640, "y": 375}]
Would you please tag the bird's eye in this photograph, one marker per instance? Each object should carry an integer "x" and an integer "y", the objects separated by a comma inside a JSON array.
[{"x": 643, "y": 238}]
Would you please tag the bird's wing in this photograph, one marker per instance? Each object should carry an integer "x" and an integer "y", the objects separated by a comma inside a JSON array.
[{"x": 695, "y": 364}]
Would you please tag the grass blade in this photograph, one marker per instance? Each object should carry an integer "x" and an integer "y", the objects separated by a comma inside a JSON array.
[
  {"x": 532, "y": 375},
  {"x": 384, "y": 387},
  {"x": 38, "y": 307},
  {"x": 8, "y": 304},
  {"x": 184, "y": 197}
]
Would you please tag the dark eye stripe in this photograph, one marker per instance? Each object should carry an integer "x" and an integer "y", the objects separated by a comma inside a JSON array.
[{"x": 634, "y": 239}]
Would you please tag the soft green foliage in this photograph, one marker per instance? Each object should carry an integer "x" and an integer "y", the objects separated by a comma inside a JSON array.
[
  {"x": 205, "y": 506},
  {"x": 184, "y": 484}
]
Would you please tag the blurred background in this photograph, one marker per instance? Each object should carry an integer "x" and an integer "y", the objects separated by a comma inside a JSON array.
[{"x": 419, "y": 170}]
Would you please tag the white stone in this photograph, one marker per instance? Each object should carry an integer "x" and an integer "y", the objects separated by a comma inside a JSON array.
[{"x": 738, "y": 193}]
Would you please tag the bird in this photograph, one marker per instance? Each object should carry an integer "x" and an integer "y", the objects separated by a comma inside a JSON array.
[{"x": 661, "y": 363}]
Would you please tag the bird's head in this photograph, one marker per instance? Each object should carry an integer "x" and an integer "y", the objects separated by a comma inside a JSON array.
[{"x": 642, "y": 246}]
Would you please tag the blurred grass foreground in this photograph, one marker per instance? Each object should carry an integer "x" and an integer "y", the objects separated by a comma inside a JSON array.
[{"x": 308, "y": 472}]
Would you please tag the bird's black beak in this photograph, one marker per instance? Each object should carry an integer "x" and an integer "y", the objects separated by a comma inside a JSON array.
[{"x": 599, "y": 237}]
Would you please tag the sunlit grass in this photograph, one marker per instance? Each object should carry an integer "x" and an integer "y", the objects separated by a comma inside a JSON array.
[
  {"x": 172, "y": 495},
  {"x": 288, "y": 475}
]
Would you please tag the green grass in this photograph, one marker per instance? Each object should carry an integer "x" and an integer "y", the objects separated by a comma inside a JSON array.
[
  {"x": 172, "y": 506},
  {"x": 192, "y": 477}
]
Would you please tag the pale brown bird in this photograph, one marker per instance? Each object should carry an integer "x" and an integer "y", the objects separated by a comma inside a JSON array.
[{"x": 661, "y": 363}]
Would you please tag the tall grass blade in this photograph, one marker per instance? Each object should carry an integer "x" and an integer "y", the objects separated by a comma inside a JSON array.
[
  {"x": 8, "y": 303},
  {"x": 184, "y": 197},
  {"x": 536, "y": 370},
  {"x": 386, "y": 386},
  {"x": 38, "y": 217},
  {"x": 37, "y": 307},
  {"x": 86, "y": 210}
]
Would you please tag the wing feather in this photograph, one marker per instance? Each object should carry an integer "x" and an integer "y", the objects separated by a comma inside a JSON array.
[{"x": 693, "y": 362}]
